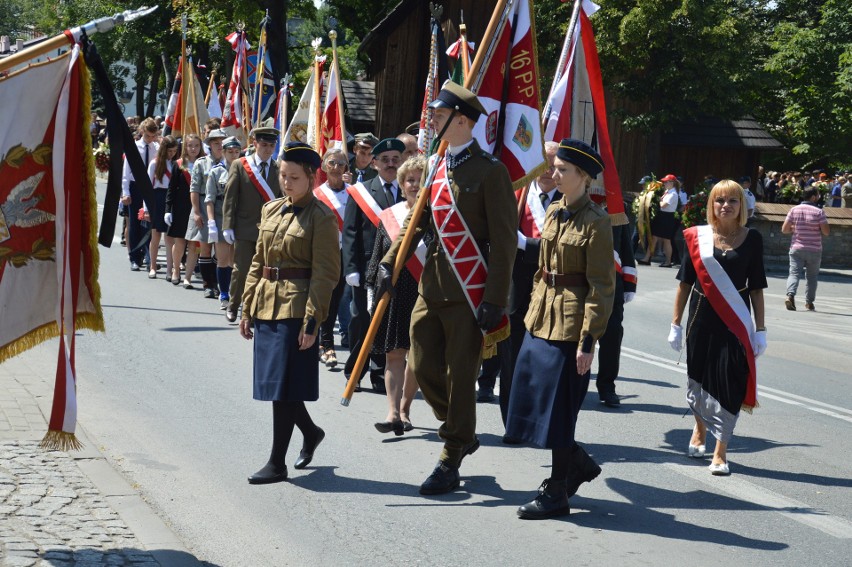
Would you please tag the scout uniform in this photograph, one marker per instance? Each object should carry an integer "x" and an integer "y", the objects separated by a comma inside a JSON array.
[
  {"x": 446, "y": 340},
  {"x": 245, "y": 193},
  {"x": 198, "y": 185},
  {"x": 569, "y": 308},
  {"x": 288, "y": 287}
]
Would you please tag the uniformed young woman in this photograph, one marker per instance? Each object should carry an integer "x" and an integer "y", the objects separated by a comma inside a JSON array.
[
  {"x": 569, "y": 308},
  {"x": 213, "y": 198},
  {"x": 288, "y": 287}
]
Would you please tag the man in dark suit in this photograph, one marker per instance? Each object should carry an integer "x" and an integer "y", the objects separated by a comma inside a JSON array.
[
  {"x": 252, "y": 182},
  {"x": 360, "y": 220}
]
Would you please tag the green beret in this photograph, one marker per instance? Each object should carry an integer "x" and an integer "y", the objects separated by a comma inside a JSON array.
[{"x": 388, "y": 145}]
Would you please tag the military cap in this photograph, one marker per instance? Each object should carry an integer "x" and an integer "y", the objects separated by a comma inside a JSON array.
[
  {"x": 300, "y": 152},
  {"x": 580, "y": 154},
  {"x": 266, "y": 132},
  {"x": 366, "y": 139},
  {"x": 388, "y": 145},
  {"x": 231, "y": 142},
  {"x": 217, "y": 134},
  {"x": 455, "y": 96}
]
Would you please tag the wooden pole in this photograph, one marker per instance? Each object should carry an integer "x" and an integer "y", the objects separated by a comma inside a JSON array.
[
  {"x": 52, "y": 44},
  {"x": 333, "y": 35},
  {"x": 495, "y": 25},
  {"x": 465, "y": 54},
  {"x": 316, "y": 99},
  {"x": 209, "y": 88}
]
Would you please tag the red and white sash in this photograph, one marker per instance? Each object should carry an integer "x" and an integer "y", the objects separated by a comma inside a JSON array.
[
  {"x": 627, "y": 273},
  {"x": 393, "y": 219},
  {"x": 329, "y": 198},
  {"x": 187, "y": 174},
  {"x": 532, "y": 218},
  {"x": 365, "y": 202},
  {"x": 462, "y": 250},
  {"x": 724, "y": 298},
  {"x": 257, "y": 179}
]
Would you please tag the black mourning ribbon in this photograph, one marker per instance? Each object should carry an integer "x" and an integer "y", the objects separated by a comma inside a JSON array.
[{"x": 121, "y": 143}]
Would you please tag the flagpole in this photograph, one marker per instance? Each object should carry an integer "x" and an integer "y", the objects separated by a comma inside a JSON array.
[
  {"x": 464, "y": 49},
  {"x": 73, "y": 35},
  {"x": 333, "y": 36},
  {"x": 209, "y": 88},
  {"x": 563, "y": 56},
  {"x": 316, "y": 98},
  {"x": 187, "y": 63},
  {"x": 492, "y": 32},
  {"x": 260, "y": 71}
]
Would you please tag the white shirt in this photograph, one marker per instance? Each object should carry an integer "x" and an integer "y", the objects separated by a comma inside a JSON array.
[
  {"x": 258, "y": 161},
  {"x": 456, "y": 150},
  {"x": 394, "y": 188},
  {"x": 750, "y": 202},
  {"x": 126, "y": 176},
  {"x": 669, "y": 200},
  {"x": 163, "y": 182}
]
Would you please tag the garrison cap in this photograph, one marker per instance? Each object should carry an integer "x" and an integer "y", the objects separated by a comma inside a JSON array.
[
  {"x": 300, "y": 152},
  {"x": 455, "y": 96},
  {"x": 580, "y": 154},
  {"x": 388, "y": 145},
  {"x": 266, "y": 132},
  {"x": 231, "y": 142},
  {"x": 217, "y": 134}
]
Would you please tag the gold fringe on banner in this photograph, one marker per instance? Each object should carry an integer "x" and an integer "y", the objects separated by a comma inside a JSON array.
[
  {"x": 489, "y": 342},
  {"x": 60, "y": 441},
  {"x": 618, "y": 219}
]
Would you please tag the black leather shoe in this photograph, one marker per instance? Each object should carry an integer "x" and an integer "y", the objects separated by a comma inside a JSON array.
[
  {"x": 552, "y": 500},
  {"x": 231, "y": 316},
  {"x": 610, "y": 399},
  {"x": 485, "y": 395},
  {"x": 583, "y": 469},
  {"x": 306, "y": 455},
  {"x": 378, "y": 386},
  {"x": 445, "y": 478},
  {"x": 509, "y": 440},
  {"x": 469, "y": 449},
  {"x": 269, "y": 474}
]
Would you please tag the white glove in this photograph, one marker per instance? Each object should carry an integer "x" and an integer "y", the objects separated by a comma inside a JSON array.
[
  {"x": 168, "y": 218},
  {"x": 759, "y": 343},
  {"x": 354, "y": 279},
  {"x": 629, "y": 296},
  {"x": 229, "y": 235},
  {"x": 676, "y": 337},
  {"x": 212, "y": 232},
  {"x": 522, "y": 241},
  {"x": 371, "y": 296}
]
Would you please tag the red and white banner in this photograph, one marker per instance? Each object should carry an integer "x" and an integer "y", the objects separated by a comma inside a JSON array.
[
  {"x": 520, "y": 145},
  {"x": 325, "y": 194},
  {"x": 48, "y": 250},
  {"x": 531, "y": 222},
  {"x": 466, "y": 259},
  {"x": 257, "y": 179},
  {"x": 303, "y": 126},
  {"x": 333, "y": 128},
  {"x": 233, "y": 116},
  {"x": 171, "y": 110},
  {"x": 724, "y": 298},
  {"x": 576, "y": 108},
  {"x": 392, "y": 219},
  {"x": 365, "y": 202}
]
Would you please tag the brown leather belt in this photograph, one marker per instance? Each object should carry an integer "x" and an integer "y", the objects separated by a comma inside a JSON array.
[
  {"x": 278, "y": 274},
  {"x": 564, "y": 280}
]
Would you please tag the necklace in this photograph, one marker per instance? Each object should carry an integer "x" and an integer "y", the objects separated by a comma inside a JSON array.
[{"x": 727, "y": 239}]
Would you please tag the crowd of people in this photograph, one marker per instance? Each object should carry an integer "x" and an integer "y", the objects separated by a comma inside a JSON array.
[{"x": 547, "y": 272}]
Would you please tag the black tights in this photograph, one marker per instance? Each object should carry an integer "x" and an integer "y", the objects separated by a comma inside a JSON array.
[
  {"x": 561, "y": 463},
  {"x": 286, "y": 415}
]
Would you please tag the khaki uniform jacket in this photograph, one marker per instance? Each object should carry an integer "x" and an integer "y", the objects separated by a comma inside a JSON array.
[
  {"x": 581, "y": 244},
  {"x": 289, "y": 240},
  {"x": 484, "y": 196},
  {"x": 242, "y": 204}
]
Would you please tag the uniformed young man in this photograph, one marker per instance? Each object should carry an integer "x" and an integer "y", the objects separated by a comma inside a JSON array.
[
  {"x": 446, "y": 334},
  {"x": 360, "y": 166},
  {"x": 252, "y": 182},
  {"x": 360, "y": 221}
]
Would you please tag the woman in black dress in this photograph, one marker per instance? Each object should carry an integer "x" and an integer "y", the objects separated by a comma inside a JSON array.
[
  {"x": 724, "y": 279},
  {"x": 288, "y": 287},
  {"x": 393, "y": 339},
  {"x": 179, "y": 205}
]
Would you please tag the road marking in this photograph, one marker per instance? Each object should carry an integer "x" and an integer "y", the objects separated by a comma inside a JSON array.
[
  {"x": 762, "y": 496},
  {"x": 765, "y": 391}
]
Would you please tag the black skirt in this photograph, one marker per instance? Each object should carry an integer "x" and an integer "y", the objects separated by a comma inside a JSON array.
[
  {"x": 664, "y": 225},
  {"x": 158, "y": 220},
  {"x": 181, "y": 208},
  {"x": 546, "y": 393},
  {"x": 282, "y": 372}
]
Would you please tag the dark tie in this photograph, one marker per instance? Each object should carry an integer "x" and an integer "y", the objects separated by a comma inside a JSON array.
[
  {"x": 389, "y": 193},
  {"x": 543, "y": 198},
  {"x": 146, "y": 155},
  {"x": 360, "y": 175},
  {"x": 263, "y": 169}
]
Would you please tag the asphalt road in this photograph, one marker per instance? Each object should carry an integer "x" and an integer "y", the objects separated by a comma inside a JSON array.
[{"x": 166, "y": 391}]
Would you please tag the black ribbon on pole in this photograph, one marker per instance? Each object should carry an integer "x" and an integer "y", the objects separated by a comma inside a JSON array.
[{"x": 121, "y": 144}]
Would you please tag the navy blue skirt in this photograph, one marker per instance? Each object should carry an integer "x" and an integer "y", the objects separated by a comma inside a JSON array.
[
  {"x": 159, "y": 220},
  {"x": 282, "y": 372},
  {"x": 546, "y": 393}
]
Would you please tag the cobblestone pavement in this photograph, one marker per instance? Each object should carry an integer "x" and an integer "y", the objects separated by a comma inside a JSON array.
[{"x": 53, "y": 515}]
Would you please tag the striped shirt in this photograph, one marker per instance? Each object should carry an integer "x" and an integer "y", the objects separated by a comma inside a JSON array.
[{"x": 806, "y": 220}]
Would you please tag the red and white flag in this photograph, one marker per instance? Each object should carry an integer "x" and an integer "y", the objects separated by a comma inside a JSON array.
[
  {"x": 520, "y": 144},
  {"x": 576, "y": 108},
  {"x": 333, "y": 130},
  {"x": 48, "y": 250},
  {"x": 172, "y": 109},
  {"x": 233, "y": 117}
]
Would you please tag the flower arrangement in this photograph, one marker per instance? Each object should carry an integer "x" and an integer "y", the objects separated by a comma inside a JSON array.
[
  {"x": 646, "y": 206},
  {"x": 791, "y": 194},
  {"x": 101, "y": 154},
  {"x": 694, "y": 212}
]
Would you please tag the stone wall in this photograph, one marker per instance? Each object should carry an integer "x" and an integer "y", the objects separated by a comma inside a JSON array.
[{"x": 836, "y": 247}]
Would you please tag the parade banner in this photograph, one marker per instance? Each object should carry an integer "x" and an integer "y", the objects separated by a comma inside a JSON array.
[
  {"x": 214, "y": 108},
  {"x": 48, "y": 222},
  {"x": 333, "y": 130},
  {"x": 509, "y": 91},
  {"x": 237, "y": 109},
  {"x": 171, "y": 109},
  {"x": 576, "y": 108},
  {"x": 280, "y": 120},
  {"x": 303, "y": 126},
  {"x": 435, "y": 77},
  {"x": 258, "y": 64}
]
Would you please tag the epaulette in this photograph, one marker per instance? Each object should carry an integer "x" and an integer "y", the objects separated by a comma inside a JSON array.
[{"x": 488, "y": 156}]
